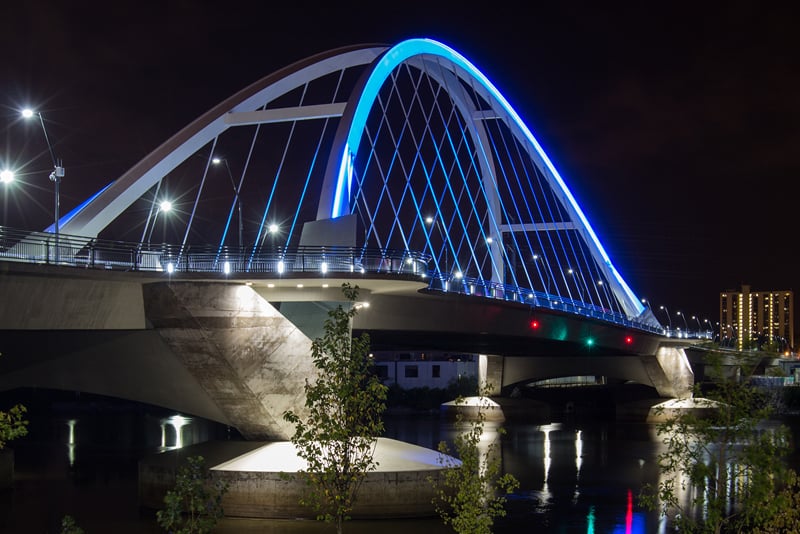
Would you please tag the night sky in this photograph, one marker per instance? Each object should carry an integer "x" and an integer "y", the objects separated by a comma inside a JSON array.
[{"x": 675, "y": 125}]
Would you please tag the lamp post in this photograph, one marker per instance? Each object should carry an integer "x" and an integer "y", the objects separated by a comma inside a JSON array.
[
  {"x": 165, "y": 206},
  {"x": 237, "y": 198},
  {"x": 55, "y": 176},
  {"x": 542, "y": 269},
  {"x": 710, "y": 328},
  {"x": 433, "y": 221},
  {"x": 668, "y": 316},
  {"x": 699, "y": 326},
  {"x": 683, "y": 316}
]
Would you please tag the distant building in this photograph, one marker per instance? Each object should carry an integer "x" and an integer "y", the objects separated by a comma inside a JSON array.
[
  {"x": 756, "y": 319},
  {"x": 423, "y": 369}
]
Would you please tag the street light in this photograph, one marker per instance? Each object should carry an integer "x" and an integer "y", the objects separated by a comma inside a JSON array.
[
  {"x": 710, "y": 328},
  {"x": 699, "y": 326},
  {"x": 542, "y": 269},
  {"x": 164, "y": 206},
  {"x": 683, "y": 316},
  {"x": 432, "y": 221},
  {"x": 56, "y": 175},
  {"x": 668, "y": 316},
  {"x": 237, "y": 199},
  {"x": 6, "y": 176}
]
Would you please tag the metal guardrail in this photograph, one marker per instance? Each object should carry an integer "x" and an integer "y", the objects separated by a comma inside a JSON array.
[
  {"x": 535, "y": 299},
  {"x": 77, "y": 251}
]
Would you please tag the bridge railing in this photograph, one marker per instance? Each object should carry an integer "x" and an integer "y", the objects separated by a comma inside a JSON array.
[
  {"x": 531, "y": 297},
  {"x": 76, "y": 251}
]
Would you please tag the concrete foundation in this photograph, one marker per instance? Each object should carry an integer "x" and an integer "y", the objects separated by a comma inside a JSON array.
[
  {"x": 470, "y": 408},
  {"x": 264, "y": 481}
]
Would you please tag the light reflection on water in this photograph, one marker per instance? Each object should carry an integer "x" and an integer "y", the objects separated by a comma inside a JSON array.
[{"x": 574, "y": 476}]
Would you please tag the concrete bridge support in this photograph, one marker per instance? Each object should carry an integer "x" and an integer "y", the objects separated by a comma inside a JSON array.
[
  {"x": 249, "y": 359},
  {"x": 490, "y": 373},
  {"x": 670, "y": 372}
]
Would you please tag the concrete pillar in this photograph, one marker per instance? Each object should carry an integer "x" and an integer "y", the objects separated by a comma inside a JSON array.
[
  {"x": 247, "y": 357},
  {"x": 490, "y": 373},
  {"x": 670, "y": 372}
]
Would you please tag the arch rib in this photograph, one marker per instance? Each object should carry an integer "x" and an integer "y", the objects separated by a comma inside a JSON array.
[{"x": 335, "y": 193}]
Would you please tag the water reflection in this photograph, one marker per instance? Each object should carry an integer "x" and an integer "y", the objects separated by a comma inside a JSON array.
[
  {"x": 176, "y": 423},
  {"x": 71, "y": 442},
  {"x": 574, "y": 476}
]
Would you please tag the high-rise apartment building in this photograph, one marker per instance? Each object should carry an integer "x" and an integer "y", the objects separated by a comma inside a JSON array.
[{"x": 750, "y": 319}]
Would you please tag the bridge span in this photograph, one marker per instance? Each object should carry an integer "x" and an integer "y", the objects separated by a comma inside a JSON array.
[
  {"x": 237, "y": 349},
  {"x": 399, "y": 168}
]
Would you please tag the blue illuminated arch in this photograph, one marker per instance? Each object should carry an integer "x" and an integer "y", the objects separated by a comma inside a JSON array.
[{"x": 336, "y": 191}]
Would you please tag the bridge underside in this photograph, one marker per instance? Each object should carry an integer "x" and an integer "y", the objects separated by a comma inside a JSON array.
[{"x": 240, "y": 354}]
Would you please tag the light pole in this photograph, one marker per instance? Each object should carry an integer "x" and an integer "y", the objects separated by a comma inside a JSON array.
[
  {"x": 683, "y": 316},
  {"x": 433, "y": 221},
  {"x": 165, "y": 206},
  {"x": 542, "y": 269},
  {"x": 237, "y": 199},
  {"x": 699, "y": 326},
  {"x": 55, "y": 176},
  {"x": 710, "y": 328},
  {"x": 668, "y": 316}
]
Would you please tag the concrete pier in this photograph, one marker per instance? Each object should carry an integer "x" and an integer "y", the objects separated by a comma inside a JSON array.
[{"x": 256, "y": 473}]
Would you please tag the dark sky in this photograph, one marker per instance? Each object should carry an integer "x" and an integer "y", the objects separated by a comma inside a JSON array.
[{"x": 676, "y": 125}]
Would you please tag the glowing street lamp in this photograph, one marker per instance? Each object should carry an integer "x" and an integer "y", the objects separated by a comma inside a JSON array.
[
  {"x": 699, "y": 326},
  {"x": 668, "y": 316},
  {"x": 58, "y": 169},
  {"x": 6, "y": 176},
  {"x": 433, "y": 221},
  {"x": 710, "y": 327},
  {"x": 237, "y": 198},
  {"x": 164, "y": 206},
  {"x": 685, "y": 324}
]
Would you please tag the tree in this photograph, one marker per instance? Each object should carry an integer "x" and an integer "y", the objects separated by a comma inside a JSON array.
[
  {"x": 69, "y": 526},
  {"x": 719, "y": 460},
  {"x": 195, "y": 505},
  {"x": 472, "y": 492},
  {"x": 344, "y": 406},
  {"x": 12, "y": 424}
]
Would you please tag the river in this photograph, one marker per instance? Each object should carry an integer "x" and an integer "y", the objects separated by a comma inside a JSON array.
[{"x": 80, "y": 459}]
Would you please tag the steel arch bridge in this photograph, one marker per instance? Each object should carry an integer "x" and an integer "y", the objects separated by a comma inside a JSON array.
[{"x": 407, "y": 147}]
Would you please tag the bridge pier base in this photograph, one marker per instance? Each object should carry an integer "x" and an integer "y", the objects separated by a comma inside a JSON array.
[
  {"x": 670, "y": 372},
  {"x": 251, "y": 360}
]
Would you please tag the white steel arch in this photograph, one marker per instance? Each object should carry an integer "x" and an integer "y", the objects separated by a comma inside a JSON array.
[{"x": 91, "y": 217}]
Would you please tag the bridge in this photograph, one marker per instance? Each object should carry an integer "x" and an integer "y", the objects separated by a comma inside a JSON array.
[{"x": 197, "y": 279}]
